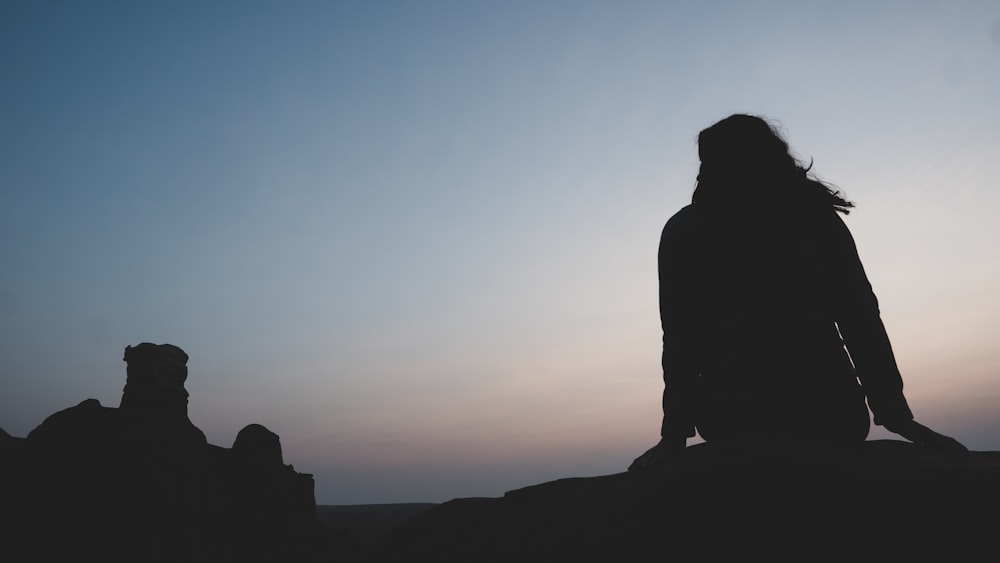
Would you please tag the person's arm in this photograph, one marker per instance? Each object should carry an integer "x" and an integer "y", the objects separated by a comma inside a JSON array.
[
  {"x": 679, "y": 358},
  {"x": 867, "y": 342},
  {"x": 860, "y": 324},
  {"x": 678, "y": 319}
]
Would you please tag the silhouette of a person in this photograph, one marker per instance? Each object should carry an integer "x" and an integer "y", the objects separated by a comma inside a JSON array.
[{"x": 770, "y": 326}]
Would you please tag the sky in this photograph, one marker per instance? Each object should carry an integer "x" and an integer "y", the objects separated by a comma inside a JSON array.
[{"x": 418, "y": 240}]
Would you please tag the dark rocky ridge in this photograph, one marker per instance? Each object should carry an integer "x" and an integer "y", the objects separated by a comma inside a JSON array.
[
  {"x": 757, "y": 500},
  {"x": 141, "y": 483}
]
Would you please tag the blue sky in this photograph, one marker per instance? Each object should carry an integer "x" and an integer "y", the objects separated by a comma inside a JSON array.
[{"x": 418, "y": 239}]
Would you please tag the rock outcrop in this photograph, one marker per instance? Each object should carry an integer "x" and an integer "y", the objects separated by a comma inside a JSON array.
[
  {"x": 761, "y": 500},
  {"x": 141, "y": 483},
  {"x": 155, "y": 376}
]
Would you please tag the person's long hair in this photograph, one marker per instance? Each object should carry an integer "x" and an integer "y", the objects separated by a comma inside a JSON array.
[{"x": 745, "y": 163}]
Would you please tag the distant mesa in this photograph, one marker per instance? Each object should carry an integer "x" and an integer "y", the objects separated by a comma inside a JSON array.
[{"x": 141, "y": 483}]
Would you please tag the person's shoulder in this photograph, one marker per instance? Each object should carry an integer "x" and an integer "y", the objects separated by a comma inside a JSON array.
[
  {"x": 831, "y": 221},
  {"x": 690, "y": 214},
  {"x": 685, "y": 220},
  {"x": 682, "y": 231}
]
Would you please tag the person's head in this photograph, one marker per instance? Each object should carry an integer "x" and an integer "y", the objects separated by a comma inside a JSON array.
[{"x": 745, "y": 161}]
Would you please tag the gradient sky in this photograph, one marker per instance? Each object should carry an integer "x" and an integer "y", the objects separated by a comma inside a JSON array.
[{"x": 418, "y": 239}]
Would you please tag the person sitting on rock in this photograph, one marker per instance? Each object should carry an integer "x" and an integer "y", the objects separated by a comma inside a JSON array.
[{"x": 761, "y": 289}]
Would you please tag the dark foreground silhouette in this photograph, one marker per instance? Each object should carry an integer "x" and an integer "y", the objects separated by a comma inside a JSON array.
[
  {"x": 770, "y": 325},
  {"x": 140, "y": 483},
  {"x": 753, "y": 499}
]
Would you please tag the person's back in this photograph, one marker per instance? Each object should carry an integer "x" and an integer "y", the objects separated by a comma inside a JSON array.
[
  {"x": 761, "y": 287},
  {"x": 763, "y": 309}
]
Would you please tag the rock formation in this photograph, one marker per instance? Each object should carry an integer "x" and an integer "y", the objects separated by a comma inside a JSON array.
[
  {"x": 757, "y": 500},
  {"x": 258, "y": 447},
  {"x": 155, "y": 376},
  {"x": 141, "y": 483}
]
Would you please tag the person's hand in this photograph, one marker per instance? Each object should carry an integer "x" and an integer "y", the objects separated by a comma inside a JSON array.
[
  {"x": 920, "y": 434},
  {"x": 662, "y": 451}
]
